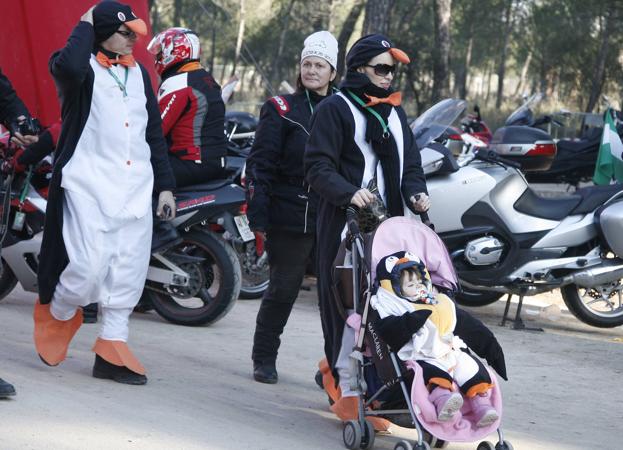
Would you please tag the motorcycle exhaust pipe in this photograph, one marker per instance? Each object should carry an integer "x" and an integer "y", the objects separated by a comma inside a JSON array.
[{"x": 607, "y": 272}]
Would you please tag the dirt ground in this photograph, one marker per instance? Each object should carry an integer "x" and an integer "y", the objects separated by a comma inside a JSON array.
[{"x": 563, "y": 392}]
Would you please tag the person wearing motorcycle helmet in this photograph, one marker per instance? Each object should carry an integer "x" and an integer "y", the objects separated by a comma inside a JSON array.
[
  {"x": 281, "y": 203},
  {"x": 110, "y": 159},
  {"x": 191, "y": 107},
  {"x": 359, "y": 137}
]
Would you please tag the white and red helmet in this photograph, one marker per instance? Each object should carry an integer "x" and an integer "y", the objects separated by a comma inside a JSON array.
[{"x": 174, "y": 46}]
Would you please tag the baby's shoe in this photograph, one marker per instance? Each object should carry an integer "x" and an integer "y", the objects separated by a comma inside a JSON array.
[
  {"x": 447, "y": 403},
  {"x": 484, "y": 413}
]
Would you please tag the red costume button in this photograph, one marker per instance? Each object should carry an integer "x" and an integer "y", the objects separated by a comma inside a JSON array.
[
  {"x": 127, "y": 124},
  {"x": 128, "y": 162}
]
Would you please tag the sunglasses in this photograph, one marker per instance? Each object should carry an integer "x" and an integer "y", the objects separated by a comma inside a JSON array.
[
  {"x": 127, "y": 34},
  {"x": 383, "y": 69}
]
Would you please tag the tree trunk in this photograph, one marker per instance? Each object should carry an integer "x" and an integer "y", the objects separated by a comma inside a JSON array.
[
  {"x": 239, "y": 39},
  {"x": 321, "y": 14},
  {"x": 441, "y": 53},
  {"x": 461, "y": 79},
  {"x": 524, "y": 73},
  {"x": 377, "y": 16},
  {"x": 345, "y": 34},
  {"x": 177, "y": 13},
  {"x": 152, "y": 5},
  {"x": 213, "y": 43},
  {"x": 275, "y": 69},
  {"x": 599, "y": 72},
  {"x": 508, "y": 20}
]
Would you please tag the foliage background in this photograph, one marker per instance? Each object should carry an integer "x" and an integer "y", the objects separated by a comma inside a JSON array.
[{"x": 490, "y": 52}]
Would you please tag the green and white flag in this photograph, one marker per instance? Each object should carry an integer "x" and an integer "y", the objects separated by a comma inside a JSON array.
[{"x": 609, "y": 164}]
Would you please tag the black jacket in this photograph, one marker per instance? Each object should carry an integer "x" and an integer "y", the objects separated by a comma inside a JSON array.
[
  {"x": 11, "y": 107},
  {"x": 278, "y": 196}
]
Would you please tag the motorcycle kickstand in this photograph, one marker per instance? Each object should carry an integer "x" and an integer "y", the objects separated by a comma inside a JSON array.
[{"x": 518, "y": 323}]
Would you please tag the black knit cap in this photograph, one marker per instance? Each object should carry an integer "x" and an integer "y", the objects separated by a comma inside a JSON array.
[
  {"x": 108, "y": 16},
  {"x": 370, "y": 46}
]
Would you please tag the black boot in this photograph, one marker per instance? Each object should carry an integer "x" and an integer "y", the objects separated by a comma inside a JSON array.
[
  {"x": 89, "y": 313},
  {"x": 120, "y": 374},
  {"x": 265, "y": 372},
  {"x": 6, "y": 389},
  {"x": 164, "y": 236}
]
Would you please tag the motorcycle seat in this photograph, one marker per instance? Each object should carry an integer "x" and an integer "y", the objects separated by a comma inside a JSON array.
[
  {"x": 212, "y": 185},
  {"x": 595, "y": 196},
  {"x": 546, "y": 208}
]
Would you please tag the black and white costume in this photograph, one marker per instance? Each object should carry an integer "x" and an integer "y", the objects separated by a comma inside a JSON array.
[
  {"x": 111, "y": 150},
  {"x": 339, "y": 162}
]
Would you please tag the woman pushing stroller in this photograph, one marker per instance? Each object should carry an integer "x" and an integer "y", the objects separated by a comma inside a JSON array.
[{"x": 359, "y": 136}]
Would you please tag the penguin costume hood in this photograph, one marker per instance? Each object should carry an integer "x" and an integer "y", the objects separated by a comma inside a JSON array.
[{"x": 389, "y": 272}]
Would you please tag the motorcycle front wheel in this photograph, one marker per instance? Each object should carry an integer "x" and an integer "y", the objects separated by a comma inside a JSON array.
[
  {"x": 214, "y": 282},
  {"x": 600, "y": 306},
  {"x": 468, "y": 297}
]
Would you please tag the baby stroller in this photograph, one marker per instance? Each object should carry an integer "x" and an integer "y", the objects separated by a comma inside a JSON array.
[{"x": 376, "y": 374}]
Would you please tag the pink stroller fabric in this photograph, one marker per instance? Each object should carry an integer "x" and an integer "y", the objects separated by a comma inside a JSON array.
[
  {"x": 409, "y": 234},
  {"x": 462, "y": 428}
]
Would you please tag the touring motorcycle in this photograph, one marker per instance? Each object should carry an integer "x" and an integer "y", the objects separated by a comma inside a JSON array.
[{"x": 506, "y": 239}]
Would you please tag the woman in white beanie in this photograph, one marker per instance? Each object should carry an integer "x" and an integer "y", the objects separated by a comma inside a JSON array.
[{"x": 281, "y": 204}]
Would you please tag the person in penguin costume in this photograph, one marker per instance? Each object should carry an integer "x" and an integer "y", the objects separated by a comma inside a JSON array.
[
  {"x": 110, "y": 159},
  {"x": 359, "y": 139},
  {"x": 419, "y": 325}
]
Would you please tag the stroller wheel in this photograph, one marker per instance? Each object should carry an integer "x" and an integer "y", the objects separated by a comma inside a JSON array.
[
  {"x": 504, "y": 445},
  {"x": 423, "y": 446},
  {"x": 367, "y": 441},
  {"x": 403, "y": 445},
  {"x": 352, "y": 435},
  {"x": 486, "y": 445}
]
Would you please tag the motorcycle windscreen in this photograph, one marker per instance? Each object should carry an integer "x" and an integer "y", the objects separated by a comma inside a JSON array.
[{"x": 435, "y": 120}]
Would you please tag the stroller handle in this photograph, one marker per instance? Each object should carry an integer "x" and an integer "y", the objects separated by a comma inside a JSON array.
[
  {"x": 352, "y": 220},
  {"x": 426, "y": 220},
  {"x": 424, "y": 217}
]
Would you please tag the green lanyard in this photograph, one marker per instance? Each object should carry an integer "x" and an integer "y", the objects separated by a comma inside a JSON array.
[
  {"x": 119, "y": 83},
  {"x": 311, "y": 107},
  {"x": 373, "y": 112}
]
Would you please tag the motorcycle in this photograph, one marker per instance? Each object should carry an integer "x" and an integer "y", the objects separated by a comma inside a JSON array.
[
  {"x": 193, "y": 283},
  {"x": 240, "y": 132},
  {"x": 505, "y": 239}
]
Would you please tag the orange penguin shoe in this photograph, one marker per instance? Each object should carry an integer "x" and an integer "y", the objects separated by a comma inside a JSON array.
[
  {"x": 52, "y": 336},
  {"x": 114, "y": 361}
]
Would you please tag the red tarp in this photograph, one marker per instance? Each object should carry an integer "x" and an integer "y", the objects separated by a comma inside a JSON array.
[{"x": 32, "y": 30}]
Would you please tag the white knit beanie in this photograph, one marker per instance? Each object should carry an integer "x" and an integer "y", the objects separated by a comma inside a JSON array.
[{"x": 321, "y": 44}]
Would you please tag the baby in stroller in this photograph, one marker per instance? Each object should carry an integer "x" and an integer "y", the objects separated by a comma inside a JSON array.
[{"x": 419, "y": 325}]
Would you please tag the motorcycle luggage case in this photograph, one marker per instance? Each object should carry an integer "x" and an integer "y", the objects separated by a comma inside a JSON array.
[
  {"x": 533, "y": 148},
  {"x": 609, "y": 219}
]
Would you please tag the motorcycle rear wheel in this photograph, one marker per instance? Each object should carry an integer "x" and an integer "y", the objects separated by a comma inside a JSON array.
[
  {"x": 217, "y": 279},
  {"x": 468, "y": 297},
  {"x": 254, "y": 279},
  {"x": 8, "y": 281},
  {"x": 590, "y": 306}
]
